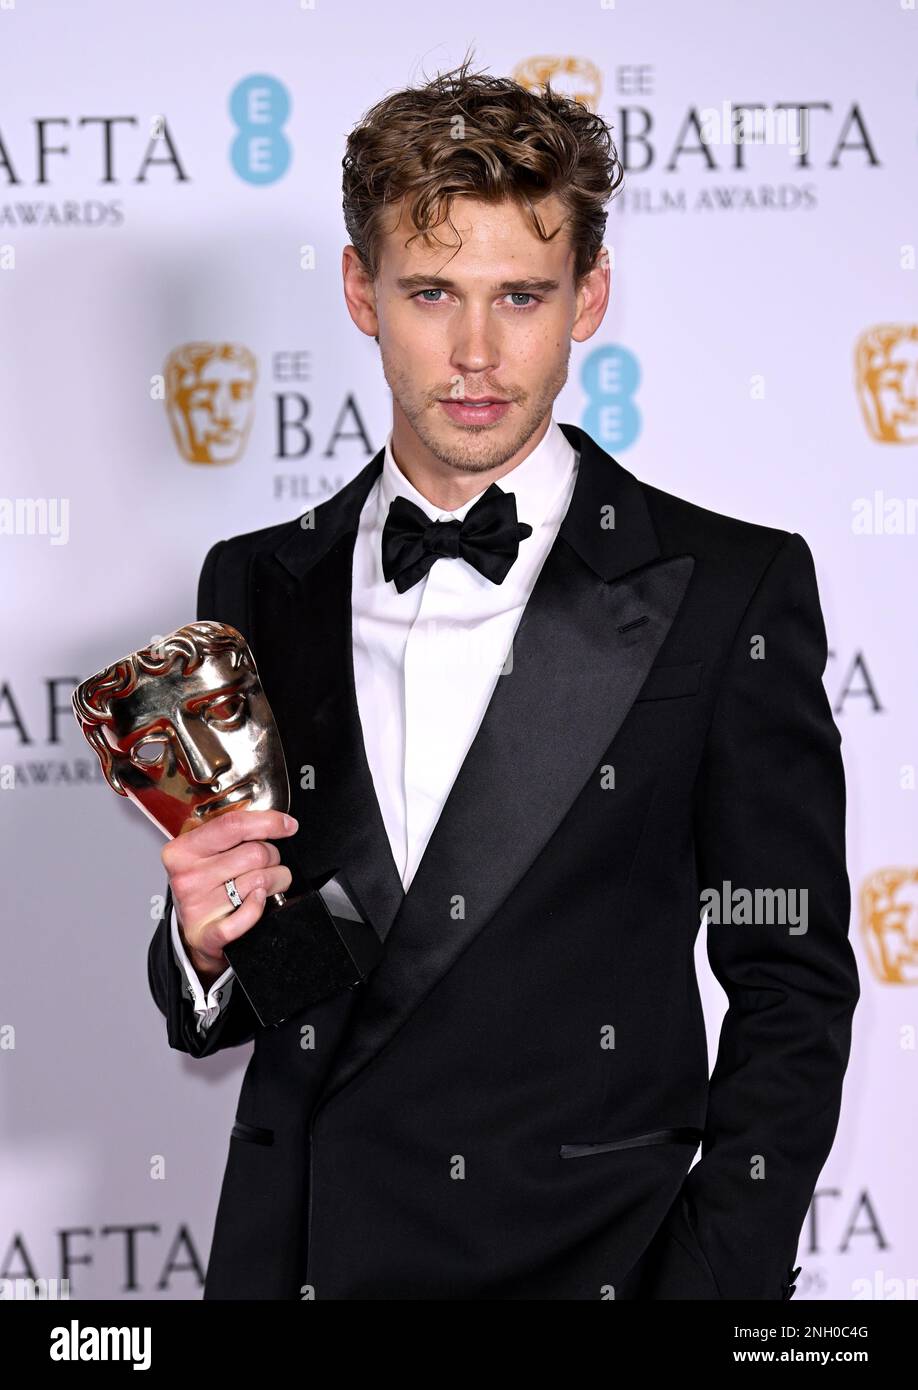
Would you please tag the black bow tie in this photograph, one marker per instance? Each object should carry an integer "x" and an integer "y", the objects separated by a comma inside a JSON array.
[{"x": 488, "y": 537}]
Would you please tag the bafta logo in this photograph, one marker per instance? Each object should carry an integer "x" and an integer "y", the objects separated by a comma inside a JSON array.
[
  {"x": 889, "y": 921},
  {"x": 210, "y": 391},
  {"x": 570, "y": 77},
  {"x": 886, "y": 377}
]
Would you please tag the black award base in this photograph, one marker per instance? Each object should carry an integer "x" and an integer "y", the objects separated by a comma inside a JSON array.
[{"x": 298, "y": 954}]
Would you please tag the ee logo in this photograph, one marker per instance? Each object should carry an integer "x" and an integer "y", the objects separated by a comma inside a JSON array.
[
  {"x": 260, "y": 107},
  {"x": 610, "y": 377}
]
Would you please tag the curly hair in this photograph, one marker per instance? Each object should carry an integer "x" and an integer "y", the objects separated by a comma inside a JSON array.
[{"x": 487, "y": 137}]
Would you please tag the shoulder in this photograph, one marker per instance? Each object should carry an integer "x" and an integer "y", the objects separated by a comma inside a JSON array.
[
  {"x": 719, "y": 536},
  {"x": 261, "y": 541},
  {"x": 312, "y": 529},
  {"x": 728, "y": 550}
]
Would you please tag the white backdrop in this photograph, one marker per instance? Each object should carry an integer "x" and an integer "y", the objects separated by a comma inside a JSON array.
[{"x": 725, "y": 371}]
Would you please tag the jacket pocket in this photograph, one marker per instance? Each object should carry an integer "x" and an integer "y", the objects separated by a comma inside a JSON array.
[
  {"x": 681, "y": 1134},
  {"x": 254, "y": 1134},
  {"x": 668, "y": 682}
]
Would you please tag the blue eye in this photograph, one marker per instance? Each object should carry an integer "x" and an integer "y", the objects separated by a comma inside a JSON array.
[{"x": 514, "y": 294}]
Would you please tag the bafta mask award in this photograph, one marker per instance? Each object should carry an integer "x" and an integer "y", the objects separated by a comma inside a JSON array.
[{"x": 183, "y": 729}]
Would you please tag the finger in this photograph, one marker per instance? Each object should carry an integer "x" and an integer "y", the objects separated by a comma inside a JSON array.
[
  {"x": 220, "y": 933},
  {"x": 274, "y": 880},
  {"x": 194, "y": 883},
  {"x": 212, "y": 914},
  {"x": 197, "y": 882},
  {"x": 223, "y": 832}
]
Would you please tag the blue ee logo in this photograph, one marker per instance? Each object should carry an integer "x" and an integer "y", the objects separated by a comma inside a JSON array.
[
  {"x": 260, "y": 107},
  {"x": 610, "y": 376}
]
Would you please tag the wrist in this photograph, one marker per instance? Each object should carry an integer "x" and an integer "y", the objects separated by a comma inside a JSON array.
[{"x": 207, "y": 968}]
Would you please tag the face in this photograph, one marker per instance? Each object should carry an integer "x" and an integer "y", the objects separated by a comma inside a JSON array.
[
  {"x": 894, "y": 383},
  {"x": 212, "y": 410},
  {"x": 188, "y": 747},
  {"x": 494, "y": 319}
]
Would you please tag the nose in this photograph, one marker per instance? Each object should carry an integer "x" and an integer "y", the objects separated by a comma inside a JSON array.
[
  {"x": 910, "y": 384},
  {"x": 202, "y": 751},
  {"x": 222, "y": 403},
  {"x": 475, "y": 346}
]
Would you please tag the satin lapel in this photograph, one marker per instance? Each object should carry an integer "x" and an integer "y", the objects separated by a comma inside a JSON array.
[
  {"x": 301, "y": 600},
  {"x": 598, "y": 614}
]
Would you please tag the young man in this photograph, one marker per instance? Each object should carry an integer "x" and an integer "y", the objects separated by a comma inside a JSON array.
[{"x": 551, "y": 713}]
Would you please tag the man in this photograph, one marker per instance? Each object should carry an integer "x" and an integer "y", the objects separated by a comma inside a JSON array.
[{"x": 536, "y": 713}]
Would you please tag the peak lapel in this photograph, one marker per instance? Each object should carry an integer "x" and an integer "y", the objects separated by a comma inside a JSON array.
[
  {"x": 301, "y": 598},
  {"x": 579, "y": 659}
]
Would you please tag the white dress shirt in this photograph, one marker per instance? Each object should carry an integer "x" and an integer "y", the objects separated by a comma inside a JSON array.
[{"x": 426, "y": 662}]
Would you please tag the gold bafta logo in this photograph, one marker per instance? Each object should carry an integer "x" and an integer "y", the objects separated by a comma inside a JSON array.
[
  {"x": 886, "y": 377},
  {"x": 210, "y": 399},
  {"x": 569, "y": 77},
  {"x": 889, "y": 922}
]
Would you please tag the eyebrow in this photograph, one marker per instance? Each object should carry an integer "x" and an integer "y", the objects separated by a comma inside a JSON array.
[
  {"x": 136, "y": 731},
  {"x": 437, "y": 282}
]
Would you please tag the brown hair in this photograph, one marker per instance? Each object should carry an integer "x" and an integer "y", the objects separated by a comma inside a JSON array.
[{"x": 513, "y": 143}]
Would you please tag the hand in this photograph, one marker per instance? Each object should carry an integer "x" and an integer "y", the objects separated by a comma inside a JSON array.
[{"x": 199, "y": 862}]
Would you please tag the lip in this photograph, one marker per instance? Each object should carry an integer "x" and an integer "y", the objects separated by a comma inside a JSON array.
[
  {"x": 228, "y": 798},
  {"x": 467, "y": 412}
]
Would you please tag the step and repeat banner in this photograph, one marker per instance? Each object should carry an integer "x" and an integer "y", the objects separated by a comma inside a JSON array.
[{"x": 178, "y": 366}]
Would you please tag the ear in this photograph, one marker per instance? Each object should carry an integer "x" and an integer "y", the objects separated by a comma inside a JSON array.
[
  {"x": 593, "y": 294},
  {"x": 359, "y": 292}
]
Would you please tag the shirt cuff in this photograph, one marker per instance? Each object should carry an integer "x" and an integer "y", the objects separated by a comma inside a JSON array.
[{"x": 207, "y": 1007}]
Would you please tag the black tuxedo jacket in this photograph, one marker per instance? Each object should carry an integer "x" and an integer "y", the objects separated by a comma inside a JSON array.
[{"x": 510, "y": 1106}]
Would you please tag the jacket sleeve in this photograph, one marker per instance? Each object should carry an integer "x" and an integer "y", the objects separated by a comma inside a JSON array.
[
  {"x": 236, "y": 1023},
  {"x": 207, "y": 1003},
  {"x": 770, "y": 814}
]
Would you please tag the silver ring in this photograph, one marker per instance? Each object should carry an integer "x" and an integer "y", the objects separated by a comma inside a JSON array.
[{"x": 231, "y": 893}]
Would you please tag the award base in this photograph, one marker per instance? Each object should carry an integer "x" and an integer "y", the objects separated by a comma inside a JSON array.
[{"x": 298, "y": 954}]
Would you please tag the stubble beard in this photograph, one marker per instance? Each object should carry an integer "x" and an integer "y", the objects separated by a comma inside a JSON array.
[{"x": 471, "y": 450}]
